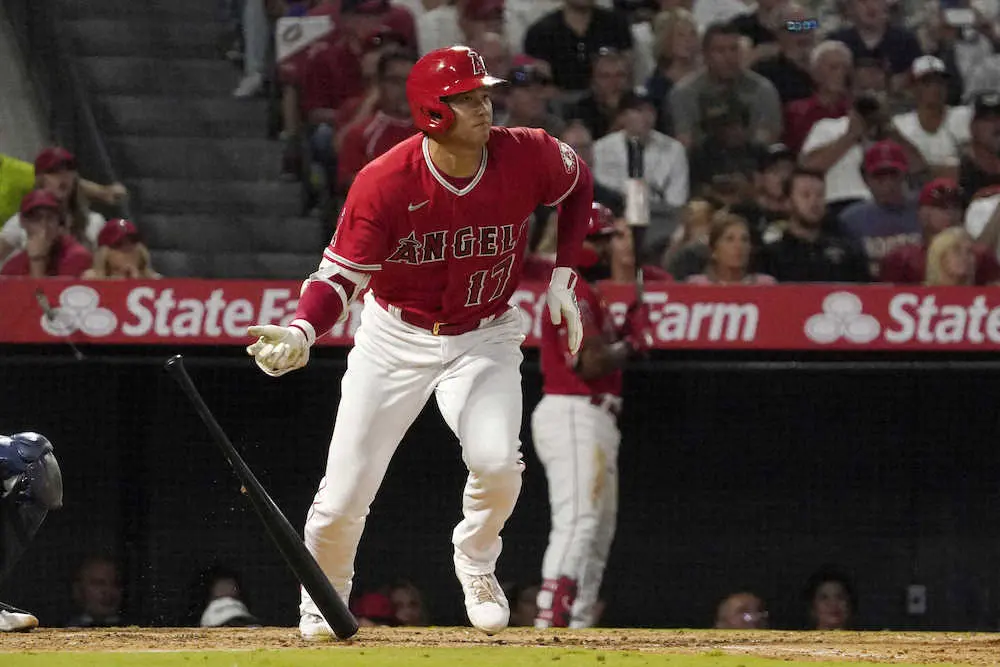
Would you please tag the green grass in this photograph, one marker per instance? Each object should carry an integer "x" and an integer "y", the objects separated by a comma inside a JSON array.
[{"x": 388, "y": 657}]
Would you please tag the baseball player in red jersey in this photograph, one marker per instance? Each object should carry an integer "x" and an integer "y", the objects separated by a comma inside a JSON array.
[
  {"x": 436, "y": 228},
  {"x": 576, "y": 437}
]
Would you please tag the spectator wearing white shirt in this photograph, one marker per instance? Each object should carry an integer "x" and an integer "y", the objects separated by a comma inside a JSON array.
[
  {"x": 663, "y": 162},
  {"x": 938, "y": 131},
  {"x": 836, "y": 146},
  {"x": 56, "y": 172}
]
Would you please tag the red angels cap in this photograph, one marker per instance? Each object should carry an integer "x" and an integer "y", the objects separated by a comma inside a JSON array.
[
  {"x": 941, "y": 193},
  {"x": 885, "y": 156},
  {"x": 117, "y": 231},
  {"x": 54, "y": 159},
  {"x": 37, "y": 200}
]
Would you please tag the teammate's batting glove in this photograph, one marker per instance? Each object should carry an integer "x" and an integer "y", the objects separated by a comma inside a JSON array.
[
  {"x": 637, "y": 330},
  {"x": 279, "y": 350},
  {"x": 561, "y": 299}
]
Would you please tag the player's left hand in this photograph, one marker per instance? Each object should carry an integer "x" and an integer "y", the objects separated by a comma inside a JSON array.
[{"x": 561, "y": 299}]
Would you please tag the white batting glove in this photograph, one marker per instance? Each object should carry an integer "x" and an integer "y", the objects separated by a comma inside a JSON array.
[
  {"x": 278, "y": 350},
  {"x": 561, "y": 299}
]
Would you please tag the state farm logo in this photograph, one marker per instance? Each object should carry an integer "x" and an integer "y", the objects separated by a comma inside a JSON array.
[
  {"x": 842, "y": 317},
  {"x": 79, "y": 310}
]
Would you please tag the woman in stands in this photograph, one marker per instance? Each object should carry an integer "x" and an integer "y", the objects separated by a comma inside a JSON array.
[
  {"x": 729, "y": 254},
  {"x": 120, "y": 254},
  {"x": 56, "y": 172},
  {"x": 950, "y": 258}
]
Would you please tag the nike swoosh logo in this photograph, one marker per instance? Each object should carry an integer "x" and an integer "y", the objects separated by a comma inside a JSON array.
[{"x": 414, "y": 207}]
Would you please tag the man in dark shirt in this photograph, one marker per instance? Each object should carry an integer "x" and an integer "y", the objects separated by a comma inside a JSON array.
[
  {"x": 804, "y": 252},
  {"x": 569, "y": 38},
  {"x": 726, "y": 148},
  {"x": 871, "y": 26},
  {"x": 788, "y": 70},
  {"x": 599, "y": 108}
]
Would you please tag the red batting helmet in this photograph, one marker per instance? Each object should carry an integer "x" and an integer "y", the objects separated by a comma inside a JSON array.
[
  {"x": 440, "y": 73},
  {"x": 601, "y": 224},
  {"x": 602, "y": 221}
]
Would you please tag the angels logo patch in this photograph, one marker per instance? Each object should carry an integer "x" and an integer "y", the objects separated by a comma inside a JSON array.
[{"x": 568, "y": 157}]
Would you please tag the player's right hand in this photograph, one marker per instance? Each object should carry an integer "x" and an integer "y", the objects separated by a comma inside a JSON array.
[
  {"x": 278, "y": 350},
  {"x": 638, "y": 329}
]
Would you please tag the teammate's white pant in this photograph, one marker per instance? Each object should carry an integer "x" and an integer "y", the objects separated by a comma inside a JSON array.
[
  {"x": 391, "y": 372},
  {"x": 577, "y": 443}
]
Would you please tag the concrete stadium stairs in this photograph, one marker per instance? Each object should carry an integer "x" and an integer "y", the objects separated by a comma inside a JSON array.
[{"x": 203, "y": 176}]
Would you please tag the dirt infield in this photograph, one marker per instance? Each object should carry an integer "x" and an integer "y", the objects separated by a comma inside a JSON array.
[{"x": 886, "y": 647}]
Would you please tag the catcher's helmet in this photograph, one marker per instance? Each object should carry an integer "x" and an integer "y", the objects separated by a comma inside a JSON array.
[
  {"x": 602, "y": 221},
  {"x": 440, "y": 73}
]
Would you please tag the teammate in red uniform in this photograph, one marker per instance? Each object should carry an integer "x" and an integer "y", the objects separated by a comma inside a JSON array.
[
  {"x": 436, "y": 228},
  {"x": 576, "y": 437}
]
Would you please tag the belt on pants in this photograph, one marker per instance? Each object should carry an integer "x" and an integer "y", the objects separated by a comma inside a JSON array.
[
  {"x": 433, "y": 326},
  {"x": 608, "y": 402}
]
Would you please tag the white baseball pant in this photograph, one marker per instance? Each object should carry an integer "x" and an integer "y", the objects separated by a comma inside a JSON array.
[
  {"x": 577, "y": 443},
  {"x": 391, "y": 373}
]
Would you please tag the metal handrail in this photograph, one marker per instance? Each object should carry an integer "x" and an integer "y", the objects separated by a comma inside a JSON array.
[{"x": 60, "y": 89}]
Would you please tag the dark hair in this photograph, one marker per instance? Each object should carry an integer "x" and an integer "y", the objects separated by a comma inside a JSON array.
[
  {"x": 825, "y": 574},
  {"x": 717, "y": 29},
  {"x": 800, "y": 172},
  {"x": 391, "y": 56}
]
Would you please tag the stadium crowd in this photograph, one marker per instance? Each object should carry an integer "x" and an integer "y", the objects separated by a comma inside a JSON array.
[
  {"x": 750, "y": 143},
  {"x": 739, "y": 143}
]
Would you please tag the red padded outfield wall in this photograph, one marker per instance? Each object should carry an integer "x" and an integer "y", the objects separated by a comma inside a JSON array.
[{"x": 785, "y": 317}]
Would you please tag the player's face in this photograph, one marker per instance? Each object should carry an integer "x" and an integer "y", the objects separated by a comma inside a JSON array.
[{"x": 473, "y": 117}]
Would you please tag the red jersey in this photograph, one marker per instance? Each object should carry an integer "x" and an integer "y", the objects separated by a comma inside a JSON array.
[
  {"x": 331, "y": 75},
  {"x": 907, "y": 265},
  {"x": 448, "y": 252},
  {"x": 537, "y": 268},
  {"x": 367, "y": 140},
  {"x": 801, "y": 115},
  {"x": 558, "y": 364},
  {"x": 68, "y": 258}
]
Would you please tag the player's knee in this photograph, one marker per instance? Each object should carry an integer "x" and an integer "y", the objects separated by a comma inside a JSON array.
[{"x": 495, "y": 465}]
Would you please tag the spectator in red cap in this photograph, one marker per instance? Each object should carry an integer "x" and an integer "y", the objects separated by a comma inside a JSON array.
[
  {"x": 49, "y": 249},
  {"x": 940, "y": 208},
  {"x": 360, "y": 108},
  {"x": 121, "y": 254},
  {"x": 333, "y": 75},
  {"x": 56, "y": 172},
  {"x": 389, "y": 124},
  {"x": 18, "y": 178},
  {"x": 889, "y": 219}
]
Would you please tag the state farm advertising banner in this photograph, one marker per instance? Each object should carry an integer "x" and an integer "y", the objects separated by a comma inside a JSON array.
[{"x": 784, "y": 317}]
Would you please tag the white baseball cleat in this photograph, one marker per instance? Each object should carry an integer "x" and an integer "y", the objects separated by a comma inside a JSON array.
[
  {"x": 485, "y": 602},
  {"x": 17, "y": 621},
  {"x": 314, "y": 628}
]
